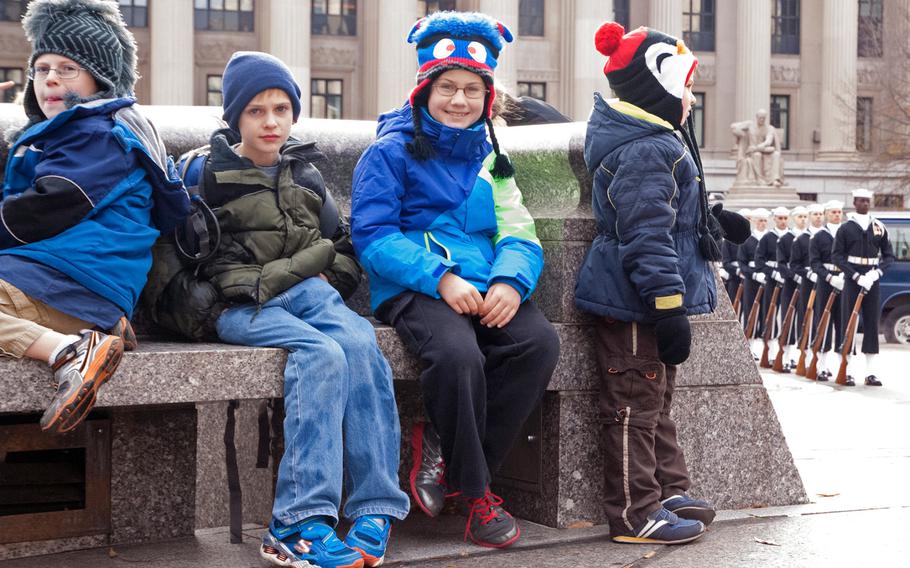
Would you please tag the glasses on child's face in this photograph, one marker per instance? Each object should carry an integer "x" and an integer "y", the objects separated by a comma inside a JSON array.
[
  {"x": 64, "y": 72},
  {"x": 472, "y": 91}
]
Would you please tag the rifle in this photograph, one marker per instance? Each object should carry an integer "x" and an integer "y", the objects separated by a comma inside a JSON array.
[
  {"x": 804, "y": 338},
  {"x": 820, "y": 333},
  {"x": 785, "y": 332},
  {"x": 769, "y": 327},
  {"x": 739, "y": 298},
  {"x": 753, "y": 313},
  {"x": 848, "y": 338}
]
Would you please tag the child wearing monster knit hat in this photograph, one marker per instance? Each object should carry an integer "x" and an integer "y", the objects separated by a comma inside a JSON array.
[
  {"x": 453, "y": 257},
  {"x": 647, "y": 269},
  {"x": 88, "y": 188}
]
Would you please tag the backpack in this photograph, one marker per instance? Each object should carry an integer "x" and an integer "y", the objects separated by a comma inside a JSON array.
[{"x": 198, "y": 237}]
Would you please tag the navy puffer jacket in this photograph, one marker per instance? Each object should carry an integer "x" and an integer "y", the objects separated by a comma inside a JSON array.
[{"x": 646, "y": 204}]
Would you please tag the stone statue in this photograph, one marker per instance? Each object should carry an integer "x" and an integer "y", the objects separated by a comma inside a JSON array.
[{"x": 758, "y": 159}]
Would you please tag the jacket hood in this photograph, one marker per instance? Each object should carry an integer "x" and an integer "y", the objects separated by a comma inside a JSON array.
[
  {"x": 614, "y": 123},
  {"x": 222, "y": 143}
]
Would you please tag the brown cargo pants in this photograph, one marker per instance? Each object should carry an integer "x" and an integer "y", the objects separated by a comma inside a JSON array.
[{"x": 644, "y": 463}]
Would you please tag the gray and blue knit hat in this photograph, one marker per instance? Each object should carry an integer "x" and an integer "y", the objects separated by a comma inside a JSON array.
[{"x": 91, "y": 33}]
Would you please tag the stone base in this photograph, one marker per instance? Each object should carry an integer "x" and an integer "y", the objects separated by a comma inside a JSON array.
[{"x": 750, "y": 196}]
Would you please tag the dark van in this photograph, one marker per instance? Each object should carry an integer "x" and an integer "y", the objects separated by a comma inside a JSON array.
[{"x": 895, "y": 284}]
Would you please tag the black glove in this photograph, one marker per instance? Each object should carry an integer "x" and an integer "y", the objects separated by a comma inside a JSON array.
[
  {"x": 736, "y": 227},
  {"x": 674, "y": 337}
]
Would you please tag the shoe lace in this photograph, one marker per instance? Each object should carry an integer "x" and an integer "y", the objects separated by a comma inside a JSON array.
[{"x": 486, "y": 508}]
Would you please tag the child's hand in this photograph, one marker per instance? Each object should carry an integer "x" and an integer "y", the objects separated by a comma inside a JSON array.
[
  {"x": 459, "y": 294},
  {"x": 323, "y": 277},
  {"x": 500, "y": 305}
]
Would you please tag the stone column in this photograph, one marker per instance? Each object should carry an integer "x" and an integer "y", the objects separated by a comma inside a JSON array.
[
  {"x": 753, "y": 57},
  {"x": 389, "y": 62},
  {"x": 291, "y": 43},
  {"x": 581, "y": 63},
  {"x": 172, "y": 64},
  {"x": 838, "y": 92},
  {"x": 666, "y": 16},
  {"x": 506, "y": 11}
]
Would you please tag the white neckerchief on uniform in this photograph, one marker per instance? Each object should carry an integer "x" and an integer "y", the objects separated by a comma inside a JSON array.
[
  {"x": 862, "y": 220},
  {"x": 797, "y": 232},
  {"x": 780, "y": 232},
  {"x": 813, "y": 229},
  {"x": 759, "y": 234},
  {"x": 832, "y": 228}
]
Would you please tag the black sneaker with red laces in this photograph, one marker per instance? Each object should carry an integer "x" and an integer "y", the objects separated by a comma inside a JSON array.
[
  {"x": 489, "y": 524},
  {"x": 427, "y": 477}
]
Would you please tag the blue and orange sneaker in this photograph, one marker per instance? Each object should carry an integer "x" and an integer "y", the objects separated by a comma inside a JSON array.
[
  {"x": 689, "y": 508},
  {"x": 369, "y": 535},
  {"x": 310, "y": 543},
  {"x": 663, "y": 527}
]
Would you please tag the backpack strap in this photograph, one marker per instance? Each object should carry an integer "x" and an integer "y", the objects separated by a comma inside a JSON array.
[{"x": 194, "y": 237}]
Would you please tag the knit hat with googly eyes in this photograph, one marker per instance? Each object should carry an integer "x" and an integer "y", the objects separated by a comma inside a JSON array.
[
  {"x": 457, "y": 40},
  {"x": 647, "y": 68}
]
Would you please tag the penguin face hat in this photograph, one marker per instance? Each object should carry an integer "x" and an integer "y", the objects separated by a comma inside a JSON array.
[
  {"x": 457, "y": 40},
  {"x": 647, "y": 68}
]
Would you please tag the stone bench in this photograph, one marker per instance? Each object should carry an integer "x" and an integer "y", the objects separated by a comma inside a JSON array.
[{"x": 167, "y": 399}]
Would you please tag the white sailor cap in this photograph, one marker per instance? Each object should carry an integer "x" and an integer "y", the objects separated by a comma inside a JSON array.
[
  {"x": 816, "y": 208},
  {"x": 834, "y": 204},
  {"x": 760, "y": 213},
  {"x": 861, "y": 193},
  {"x": 745, "y": 213},
  {"x": 780, "y": 212},
  {"x": 799, "y": 210}
]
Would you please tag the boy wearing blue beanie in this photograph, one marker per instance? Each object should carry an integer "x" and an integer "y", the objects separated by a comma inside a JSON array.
[{"x": 278, "y": 279}]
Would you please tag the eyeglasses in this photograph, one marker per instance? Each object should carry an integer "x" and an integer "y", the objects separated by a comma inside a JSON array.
[
  {"x": 473, "y": 91},
  {"x": 64, "y": 72}
]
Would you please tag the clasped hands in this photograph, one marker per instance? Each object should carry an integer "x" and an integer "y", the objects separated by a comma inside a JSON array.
[{"x": 496, "y": 310}]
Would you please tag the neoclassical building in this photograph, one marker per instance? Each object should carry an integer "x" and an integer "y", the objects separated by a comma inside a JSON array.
[{"x": 821, "y": 67}]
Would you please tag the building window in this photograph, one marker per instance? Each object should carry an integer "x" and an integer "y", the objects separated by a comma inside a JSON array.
[
  {"x": 698, "y": 25},
  {"x": 698, "y": 118},
  {"x": 530, "y": 17},
  {"x": 213, "y": 90},
  {"x": 427, "y": 7},
  {"x": 12, "y": 10},
  {"x": 901, "y": 244},
  {"x": 534, "y": 90},
  {"x": 11, "y": 74},
  {"x": 863, "y": 124},
  {"x": 334, "y": 17},
  {"x": 325, "y": 98},
  {"x": 780, "y": 119},
  {"x": 224, "y": 15},
  {"x": 135, "y": 13},
  {"x": 869, "y": 38},
  {"x": 785, "y": 26},
  {"x": 621, "y": 13}
]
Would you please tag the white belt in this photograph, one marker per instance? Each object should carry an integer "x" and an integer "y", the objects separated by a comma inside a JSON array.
[
  {"x": 831, "y": 267},
  {"x": 772, "y": 263},
  {"x": 863, "y": 260}
]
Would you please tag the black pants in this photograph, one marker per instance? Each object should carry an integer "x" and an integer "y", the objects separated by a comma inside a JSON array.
[
  {"x": 869, "y": 312},
  {"x": 643, "y": 463},
  {"x": 834, "y": 322},
  {"x": 479, "y": 384}
]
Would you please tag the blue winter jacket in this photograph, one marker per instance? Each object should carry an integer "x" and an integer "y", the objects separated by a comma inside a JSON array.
[
  {"x": 646, "y": 203},
  {"x": 412, "y": 221},
  {"x": 87, "y": 193}
]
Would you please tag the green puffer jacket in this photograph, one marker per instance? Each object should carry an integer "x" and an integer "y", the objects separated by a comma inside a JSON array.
[{"x": 274, "y": 234}]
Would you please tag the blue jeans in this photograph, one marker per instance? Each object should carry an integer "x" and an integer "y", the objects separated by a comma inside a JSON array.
[{"x": 337, "y": 386}]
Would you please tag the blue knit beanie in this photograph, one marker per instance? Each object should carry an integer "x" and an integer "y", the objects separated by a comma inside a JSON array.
[{"x": 247, "y": 74}]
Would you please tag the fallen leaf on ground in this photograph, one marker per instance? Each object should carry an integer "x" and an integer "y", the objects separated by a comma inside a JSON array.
[
  {"x": 649, "y": 554},
  {"x": 111, "y": 553},
  {"x": 827, "y": 494},
  {"x": 765, "y": 541},
  {"x": 581, "y": 525}
]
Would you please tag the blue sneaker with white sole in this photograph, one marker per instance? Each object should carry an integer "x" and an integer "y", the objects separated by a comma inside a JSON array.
[
  {"x": 663, "y": 527},
  {"x": 311, "y": 543},
  {"x": 689, "y": 508},
  {"x": 369, "y": 535}
]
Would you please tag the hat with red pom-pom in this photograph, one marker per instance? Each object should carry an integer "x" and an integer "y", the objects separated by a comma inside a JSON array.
[{"x": 647, "y": 68}]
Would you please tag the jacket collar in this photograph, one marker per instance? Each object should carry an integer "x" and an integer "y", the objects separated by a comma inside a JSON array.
[{"x": 461, "y": 143}]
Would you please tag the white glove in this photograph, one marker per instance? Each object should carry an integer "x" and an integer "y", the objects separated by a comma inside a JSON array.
[
  {"x": 798, "y": 279},
  {"x": 759, "y": 277},
  {"x": 865, "y": 282},
  {"x": 813, "y": 277},
  {"x": 777, "y": 277},
  {"x": 739, "y": 273},
  {"x": 723, "y": 274},
  {"x": 874, "y": 275},
  {"x": 837, "y": 282}
]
